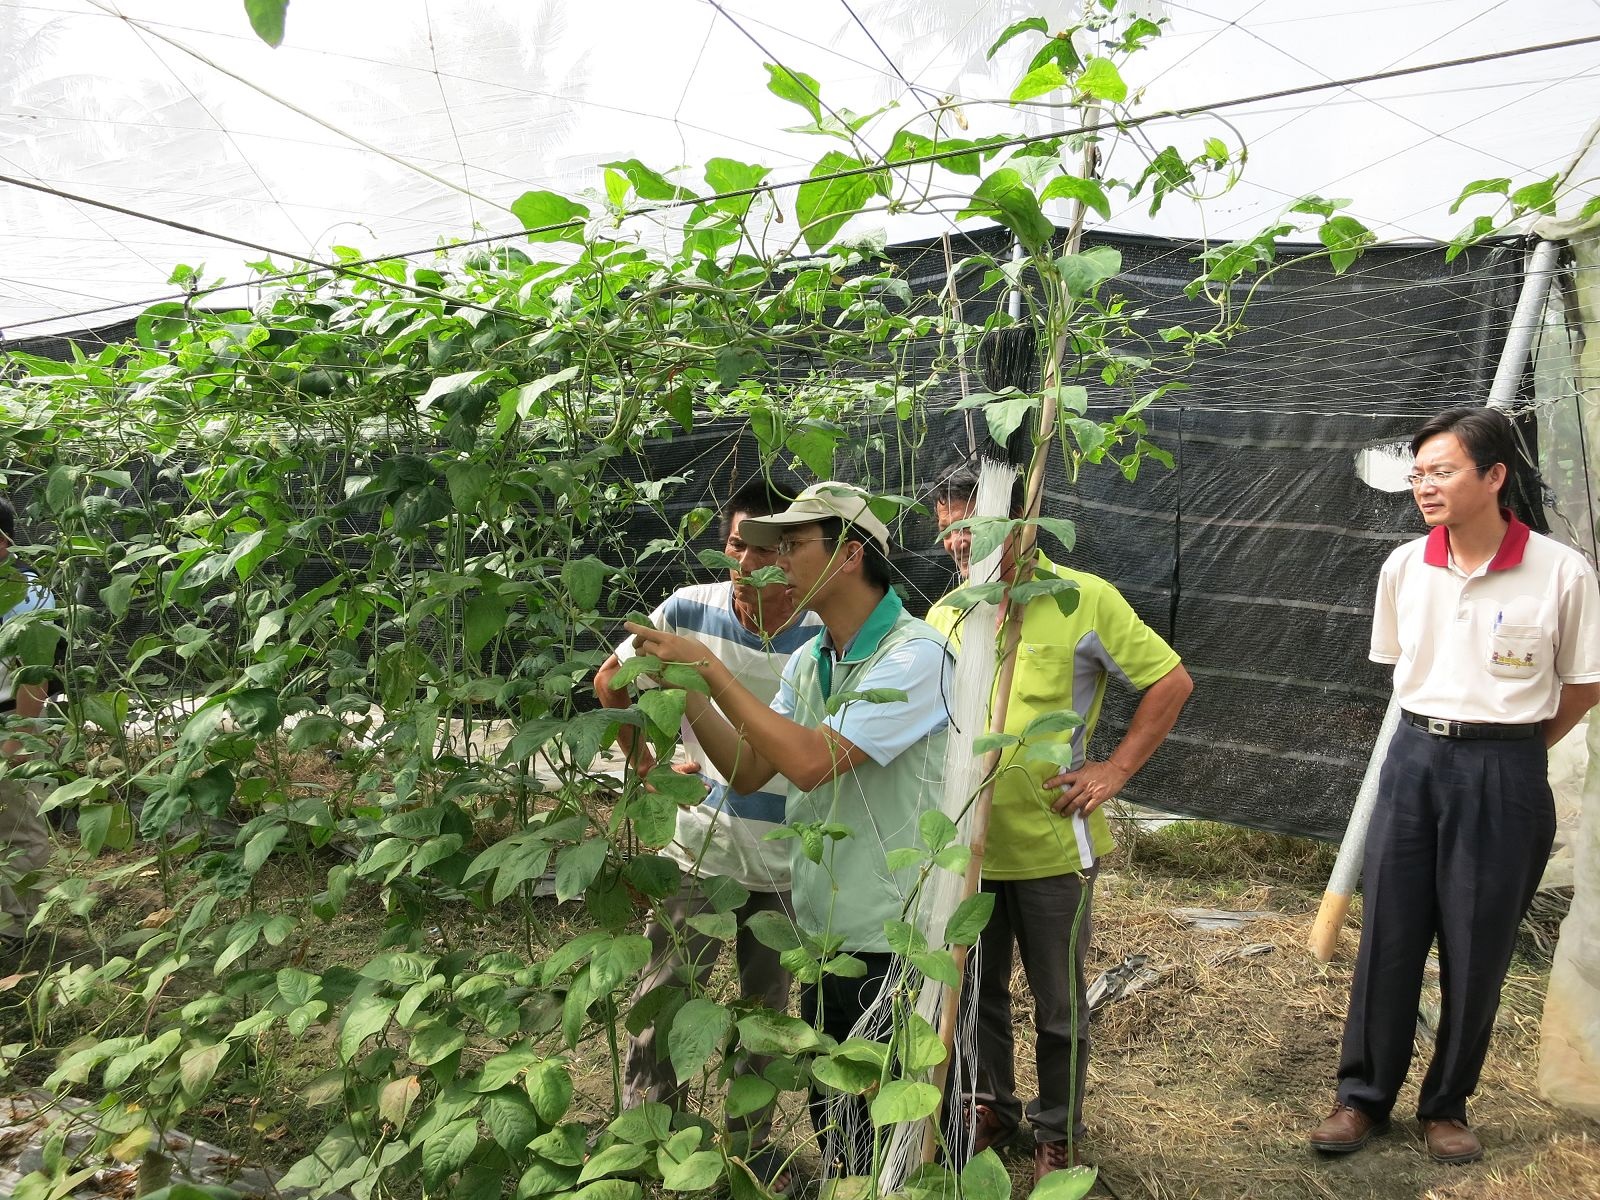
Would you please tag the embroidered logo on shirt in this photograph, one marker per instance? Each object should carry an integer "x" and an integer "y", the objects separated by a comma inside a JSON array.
[{"x": 1499, "y": 658}]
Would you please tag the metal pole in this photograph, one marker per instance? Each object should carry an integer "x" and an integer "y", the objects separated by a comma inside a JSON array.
[{"x": 1525, "y": 323}]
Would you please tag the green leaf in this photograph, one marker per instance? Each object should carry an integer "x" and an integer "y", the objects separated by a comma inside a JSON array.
[
  {"x": 937, "y": 964},
  {"x": 578, "y": 867},
  {"x": 485, "y": 617},
  {"x": 298, "y": 987},
  {"x": 260, "y": 847},
  {"x": 772, "y": 1033},
  {"x": 748, "y": 1094},
  {"x": 694, "y": 1174},
  {"x": 104, "y": 825},
  {"x": 449, "y": 385},
  {"x": 985, "y": 1178},
  {"x": 117, "y": 594},
  {"x": 1087, "y": 191},
  {"x": 256, "y": 711},
  {"x": 543, "y": 1178},
  {"x": 1067, "y": 534},
  {"x": 824, "y": 205},
  {"x": 584, "y": 578},
  {"x": 813, "y": 445},
  {"x": 1480, "y": 228},
  {"x": 550, "y": 1088},
  {"x": 1036, "y": 24},
  {"x": 969, "y": 918},
  {"x": 1102, "y": 80},
  {"x": 774, "y": 930},
  {"x": 903, "y": 1100},
  {"x": 1004, "y": 416},
  {"x": 648, "y": 184},
  {"x": 267, "y": 19},
  {"x": 1344, "y": 237},
  {"x": 609, "y": 1189},
  {"x": 1071, "y": 1183},
  {"x": 365, "y": 1017},
  {"x": 664, "y": 707},
  {"x": 920, "y": 1046},
  {"x": 549, "y": 217},
  {"x": 1090, "y": 435},
  {"x": 730, "y": 175},
  {"x": 1540, "y": 196},
  {"x": 435, "y": 1042},
  {"x": 698, "y": 1031},
  {"x": 1082, "y": 273},
  {"x": 198, "y": 1066},
  {"x": 1039, "y": 82},
  {"x": 512, "y": 1120},
  {"x": 469, "y": 483},
  {"x": 623, "y": 1156},
  {"x": 796, "y": 88},
  {"x": 448, "y": 1150},
  {"x": 616, "y": 961},
  {"x": 1005, "y": 195},
  {"x": 654, "y": 810}
]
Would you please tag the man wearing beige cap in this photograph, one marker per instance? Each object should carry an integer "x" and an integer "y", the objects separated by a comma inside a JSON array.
[{"x": 871, "y": 767}]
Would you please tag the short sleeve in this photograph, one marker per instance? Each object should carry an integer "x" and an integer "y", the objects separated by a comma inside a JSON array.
[
  {"x": 783, "y": 702},
  {"x": 660, "y": 617},
  {"x": 1578, "y": 651},
  {"x": 1385, "y": 646},
  {"x": 1128, "y": 647},
  {"x": 921, "y": 668}
]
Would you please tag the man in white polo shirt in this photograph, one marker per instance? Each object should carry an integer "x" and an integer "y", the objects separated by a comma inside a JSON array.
[{"x": 1494, "y": 635}]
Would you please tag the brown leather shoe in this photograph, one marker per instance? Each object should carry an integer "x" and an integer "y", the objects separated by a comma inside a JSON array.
[
  {"x": 1345, "y": 1129},
  {"x": 989, "y": 1130},
  {"x": 1052, "y": 1156},
  {"x": 1451, "y": 1142}
]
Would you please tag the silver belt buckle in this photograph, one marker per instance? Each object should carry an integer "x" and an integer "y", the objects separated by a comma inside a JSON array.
[{"x": 1442, "y": 728}]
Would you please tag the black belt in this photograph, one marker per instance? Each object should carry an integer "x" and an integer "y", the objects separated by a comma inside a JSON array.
[{"x": 1472, "y": 729}]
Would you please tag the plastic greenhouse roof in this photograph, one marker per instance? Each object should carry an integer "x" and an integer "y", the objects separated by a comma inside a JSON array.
[{"x": 399, "y": 125}]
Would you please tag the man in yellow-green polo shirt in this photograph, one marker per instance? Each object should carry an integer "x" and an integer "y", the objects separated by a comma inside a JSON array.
[{"x": 1047, "y": 831}]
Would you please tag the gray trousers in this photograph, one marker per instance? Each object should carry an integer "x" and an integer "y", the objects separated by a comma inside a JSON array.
[
  {"x": 683, "y": 957},
  {"x": 24, "y": 851},
  {"x": 1050, "y": 921}
]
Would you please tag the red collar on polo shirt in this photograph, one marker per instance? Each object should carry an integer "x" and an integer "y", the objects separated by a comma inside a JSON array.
[{"x": 1437, "y": 551}]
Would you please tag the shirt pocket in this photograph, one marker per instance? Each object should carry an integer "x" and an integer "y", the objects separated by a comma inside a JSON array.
[
  {"x": 1516, "y": 651},
  {"x": 1044, "y": 675}
]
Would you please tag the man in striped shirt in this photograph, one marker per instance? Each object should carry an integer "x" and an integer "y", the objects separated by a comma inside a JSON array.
[
  {"x": 1046, "y": 829},
  {"x": 753, "y": 630}
]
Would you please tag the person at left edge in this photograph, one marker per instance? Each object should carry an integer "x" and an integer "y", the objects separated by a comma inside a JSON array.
[
  {"x": 24, "y": 836},
  {"x": 754, "y": 630},
  {"x": 872, "y": 767}
]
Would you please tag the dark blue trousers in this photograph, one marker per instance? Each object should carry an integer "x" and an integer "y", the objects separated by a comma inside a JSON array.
[{"x": 1457, "y": 844}]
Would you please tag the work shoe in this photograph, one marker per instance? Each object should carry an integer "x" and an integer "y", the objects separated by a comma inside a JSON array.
[
  {"x": 1346, "y": 1129},
  {"x": 1450, "y": 1141},
  {"x": 988, "y": 1130},
  {"x": 1052, "y": 1156}
]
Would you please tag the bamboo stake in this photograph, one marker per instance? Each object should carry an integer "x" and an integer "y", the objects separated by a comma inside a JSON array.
[{"x": 1011, "y": 633}]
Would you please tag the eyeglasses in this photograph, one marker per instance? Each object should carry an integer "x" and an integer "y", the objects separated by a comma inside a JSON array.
[
  {"x": 1439, "y": 478},
  {"x": 786, "y": 546}
]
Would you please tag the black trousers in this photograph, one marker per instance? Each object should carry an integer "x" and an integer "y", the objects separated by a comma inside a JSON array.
[
  {"x": 834, "y": 1005},
  {"x": 1457, "y": 844}
]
